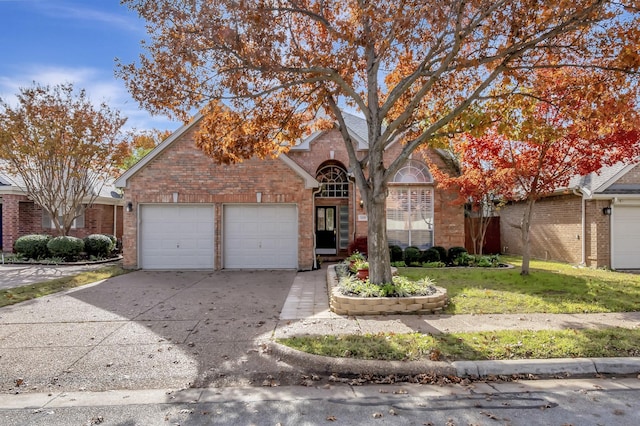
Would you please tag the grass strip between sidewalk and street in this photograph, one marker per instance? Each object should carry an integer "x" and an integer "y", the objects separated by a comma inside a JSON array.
[
  {"x": 31, "y": 291},
  {"x": 552, "y": 287},
  {"x": 496, "y": 345}
]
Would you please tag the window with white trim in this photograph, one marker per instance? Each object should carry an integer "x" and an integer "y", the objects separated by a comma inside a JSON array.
[
  {"x": 410, "y": 207},
  {"x": 334, "y": 182}
]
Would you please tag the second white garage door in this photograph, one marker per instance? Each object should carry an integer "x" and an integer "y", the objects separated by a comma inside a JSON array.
[
  {"x": 260, "y": 236},
  {"x": 176, "y": 236},
  {"x": 625, "y": 237}
]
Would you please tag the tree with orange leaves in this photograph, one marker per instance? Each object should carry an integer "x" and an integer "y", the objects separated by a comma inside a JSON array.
[
  {"x": 262, "y": 71},
  {"x": 61, "y": 146}
]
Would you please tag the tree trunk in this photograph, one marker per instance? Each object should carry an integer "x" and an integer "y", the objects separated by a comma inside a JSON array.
[
  {"x": 378, "y": 247},
  {"x": 524, "y": 232}
]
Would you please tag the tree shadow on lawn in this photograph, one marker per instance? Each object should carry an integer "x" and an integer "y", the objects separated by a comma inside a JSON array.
[{"x": 506, "y": 291}]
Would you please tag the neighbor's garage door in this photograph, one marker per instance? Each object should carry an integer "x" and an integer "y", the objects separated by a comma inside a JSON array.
[
  {"x": 176, "y": 237},
  {"x": 260, "y": 236},
  {"x": 626, "y": 237}
]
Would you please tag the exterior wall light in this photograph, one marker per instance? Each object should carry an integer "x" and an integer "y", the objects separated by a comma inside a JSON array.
[
  {"x": 361, "y": 204},
  {"x": 259, "y": 197},
  {"x": 606, "y": 211},
  {"x": 129, "y": 207}
]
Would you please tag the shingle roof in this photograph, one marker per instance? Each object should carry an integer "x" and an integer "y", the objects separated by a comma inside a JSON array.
[{"x": 601, "y": 182}]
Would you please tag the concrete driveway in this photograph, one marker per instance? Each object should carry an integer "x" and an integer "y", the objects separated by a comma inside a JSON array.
[
  {"x": 12, "y": 275},
  {"x": 147, "y": 330}
]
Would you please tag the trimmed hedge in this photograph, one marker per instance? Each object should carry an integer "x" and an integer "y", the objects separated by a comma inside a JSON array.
[
  {"x": 442, "y": 251},
  {"x": 32, "y": 246},
  {"x": 99, "y": 245},
  {"x": 395, "y": 252},
  {"x": 65, "y": 247},
  {"x": 411, "y": 255},
  {"x": 430, "y": 255}
]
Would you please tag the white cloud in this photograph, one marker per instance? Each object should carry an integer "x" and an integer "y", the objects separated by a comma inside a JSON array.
[{"x": 100, "y": 87}]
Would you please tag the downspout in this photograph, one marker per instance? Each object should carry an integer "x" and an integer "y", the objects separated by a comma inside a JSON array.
[
  {"x": 313, "y": 212},
  {"x": 115, "y": 220},
  {"x": 578, "y": 192}
]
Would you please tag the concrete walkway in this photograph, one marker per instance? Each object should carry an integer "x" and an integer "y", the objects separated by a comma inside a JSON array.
[{"x": 13, "y": 275}]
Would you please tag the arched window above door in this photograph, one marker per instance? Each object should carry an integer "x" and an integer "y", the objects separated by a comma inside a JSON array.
[
  {"x": 413, "y": 172},
  {"x": 333, "y": 181}
]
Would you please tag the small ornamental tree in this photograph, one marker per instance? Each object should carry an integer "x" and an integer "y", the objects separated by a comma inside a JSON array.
[
  {"x": 61, "y": 146},
  {"x": 261, "y": 72}
]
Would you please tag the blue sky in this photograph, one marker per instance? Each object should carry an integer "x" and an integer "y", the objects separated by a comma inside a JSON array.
[{"x": 73, "y": 41}]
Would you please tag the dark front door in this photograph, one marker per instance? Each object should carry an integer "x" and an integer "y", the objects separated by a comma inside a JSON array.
[{"x": 326, "y": 230}]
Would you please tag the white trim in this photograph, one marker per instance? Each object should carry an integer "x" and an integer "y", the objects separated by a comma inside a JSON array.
[{"x": 615, "y": 177}]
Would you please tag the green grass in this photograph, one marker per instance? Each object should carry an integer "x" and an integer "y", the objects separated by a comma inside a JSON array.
[
  {"x": 611, "y": 342},
  {"x": 32, "y": 291},
  {"x": 551, "y": 287}
]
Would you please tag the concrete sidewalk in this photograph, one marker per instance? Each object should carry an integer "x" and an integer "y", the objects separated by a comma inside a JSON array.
[{"x": 16, "y": 275}]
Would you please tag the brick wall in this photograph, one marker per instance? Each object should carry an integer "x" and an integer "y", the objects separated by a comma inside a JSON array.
[
  {"x": 555, "y": 233},
  {"x": 598, "y": 239},
  {"x": 184, "y": 169},
  {"x": 448, "y": 218},
  {"x": 20, "y": 216}
]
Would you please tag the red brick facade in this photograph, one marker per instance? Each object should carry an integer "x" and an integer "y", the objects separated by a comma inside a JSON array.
[
  {"x": 556, "y": 230},
  {"x": 182, "y": 168},
  {"x": 20, "y": 216}
]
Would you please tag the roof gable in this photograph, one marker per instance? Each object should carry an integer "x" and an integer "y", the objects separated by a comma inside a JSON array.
[{"x": 122, "y": 181}]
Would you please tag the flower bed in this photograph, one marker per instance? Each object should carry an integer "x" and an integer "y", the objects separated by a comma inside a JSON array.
[{"x": 356, "y": 305}]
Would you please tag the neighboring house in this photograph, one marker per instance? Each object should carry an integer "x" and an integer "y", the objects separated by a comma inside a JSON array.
[
  {"x": 185, "y": 211},
  {"x": 595, "y": 221},
  {"x": 21, "y": 216}
]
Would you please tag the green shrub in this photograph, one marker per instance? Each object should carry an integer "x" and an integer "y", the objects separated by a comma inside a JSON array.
[
  {"x": 411, "y": 255},
  {"x": 430, "y": 255},
  {"x": 454, "y": 253},
  {"x": 442, "y": 252},
  {"x": 99, "y": 245},
  {"x": 434, "y": 265},
  {"x": 66, "y": 247},
  {"x": 395, "y": 252},
  {"x": 399, "y": 264},
  {"x": 32, "y": 246},
  {"x": 464, "y": 259}
]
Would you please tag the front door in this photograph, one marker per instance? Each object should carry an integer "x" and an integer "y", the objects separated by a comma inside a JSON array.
[{"x": 326, "y": 230}]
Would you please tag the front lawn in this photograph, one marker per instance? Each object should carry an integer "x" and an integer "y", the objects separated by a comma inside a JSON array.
[
  {"x": 508, "y": 344},
  {"x": 31, "y": 291},
  {"x": 551, "y": 287}
]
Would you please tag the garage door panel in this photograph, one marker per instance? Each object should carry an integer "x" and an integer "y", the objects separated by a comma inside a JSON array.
[
  {"x": 261, "y": 236},
  {"x": 625, "y": 236},
  {"x": 177, "y": 237}
]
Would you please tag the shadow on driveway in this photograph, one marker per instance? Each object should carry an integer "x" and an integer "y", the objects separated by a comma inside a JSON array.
[{"x": 147, "y": 330}]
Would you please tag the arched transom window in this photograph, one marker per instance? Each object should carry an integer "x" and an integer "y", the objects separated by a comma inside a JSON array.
[
  {"x": 334, "y": 182},
  {"x": 410, "y": 207},
  {"x": 413, "y": 172}
]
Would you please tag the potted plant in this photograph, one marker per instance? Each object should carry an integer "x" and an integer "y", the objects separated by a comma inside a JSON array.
[
  {"x": 353, "y": 258},
  {"x": 362, "y": 269}
]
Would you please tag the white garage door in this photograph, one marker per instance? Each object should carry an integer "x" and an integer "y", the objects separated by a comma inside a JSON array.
[
  {"x": 626, "y": 237},
  {"x": 176, "y": 236},
  {"x": 260, "y": 237}
]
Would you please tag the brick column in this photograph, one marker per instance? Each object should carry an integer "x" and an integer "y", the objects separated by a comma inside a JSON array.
[{"x": 10, "y": 220}]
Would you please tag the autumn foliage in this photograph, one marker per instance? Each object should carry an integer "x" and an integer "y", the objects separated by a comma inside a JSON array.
[
  {"x": 266, "y": 73},
  {"x": 61, "y": 146}
]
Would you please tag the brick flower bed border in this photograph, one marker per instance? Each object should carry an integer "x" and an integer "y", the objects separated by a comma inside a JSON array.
[{"x": 352, "y": 305}]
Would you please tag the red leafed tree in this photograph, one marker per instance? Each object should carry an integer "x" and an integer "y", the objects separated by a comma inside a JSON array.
[
  {"x": 539, "y": 145},
  {"x": 479, "y": 186},
  {"x": 262, "y": 71}
]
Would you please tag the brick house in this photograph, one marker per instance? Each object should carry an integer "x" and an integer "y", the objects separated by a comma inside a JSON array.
[
  {"x": 21, "y": 216},
  {"x": 595, "y": 221},
  {"x": 185, "y": 211}
]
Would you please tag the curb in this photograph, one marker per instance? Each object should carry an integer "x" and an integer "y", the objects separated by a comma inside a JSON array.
[{"x": 471, "y": 369}]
